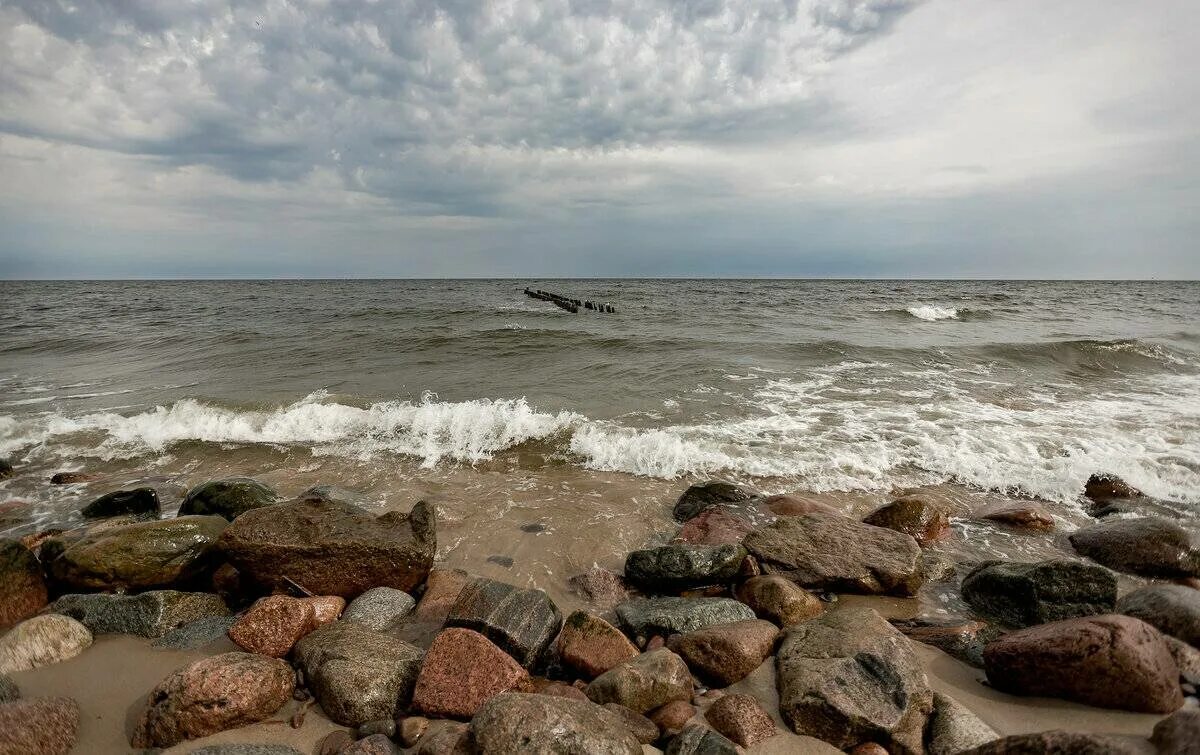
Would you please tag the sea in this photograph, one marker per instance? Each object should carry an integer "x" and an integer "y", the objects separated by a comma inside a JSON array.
[{"x": 553, "y": 441}]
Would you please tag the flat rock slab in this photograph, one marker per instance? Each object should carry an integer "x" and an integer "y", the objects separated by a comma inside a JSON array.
[
  {"x": 462, "y": 671},
  {"x": 671, "y": 568},
  {"x": 545, "y": 725},
  {"x": 828, "y": 552},
  {"x": 522, "y": 622},
  {"x": 149, "y": 614},
  {"x": 645, "y": 617},
  {"x": 39, "y": 726},
  {"x": 1172, "y": 609},
  {"x": 649, "y": 681},
  {"x": 42, "y": 641},
  {"x": 1024, "y": 594},
  {"x": 1149, "y": 546}
]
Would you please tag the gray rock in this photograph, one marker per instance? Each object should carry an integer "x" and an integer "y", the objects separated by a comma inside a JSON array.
[
  {"x": 849, "y": 677},
  {"x": 829, "y": 552},
  {"x": 1171, "y": 609},
  {"x": 521, "y": 622},
  {"x": 1149, "y": 546},
  {"x": 953, "y": 728},
  {"x": 513, "y": 722},
  {"x": 120, "y": 502},
  {"x": 697, "y": 498},
  {"x": 196, "y": 634},
  {"x": 644, "y": 683},
  {"x": 379, "y": 607},
  {"x": 149, "y": 614},
  {"x": 42, "y": 641},
  {"x": 229, "y": 498},
  {"x": 8, "y": 689},
  {"x": 645, "y": 617},
  {"x": 670, "y": 568},
  {"x": 357, "y": 674},
  {"x": 697, "y": 740},
  {"x": 1024, "y": 594}
]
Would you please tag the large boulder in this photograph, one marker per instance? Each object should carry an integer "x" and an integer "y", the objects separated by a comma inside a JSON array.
[
  {"x": 647, "y": 682},
  {"x": 149, "y": 614},
  {"x": 1172, "y": 609},
  {"x": 357, "y": 674},
  {"x": 698, "y": 498},
  {"x": 589, "y": 645},
  {"x": 671, "y": 568},
  {"x": 331, "y": 548},
  {"x": 645, "y": 617},
  {"x": 848, "y": 677},
  {"x": 273, "y": 625},
  {"x": 779, "y": 599},
  {"x": 39, "y": 726},
  {"x": 22, "y": 589},
  {"x": 228, "y": 498},
  {"x": 1149, "y": 546},
  {"x": 545, "y": 725},
  {"x": 41, "y": 641},
  {"x": 828, "y": 552},
  {"x": 143, "y": 501},
  {"x": 724, "y": 654},
  {"x": 924, "y": 520},
  {"x": 522, "y": 622},
  {"x": 1024, "y": 594},
  {"x": 211, "y": 695},
  {"x": 139, "y": 556},
  {"x": 462, "y": 671},
  {"x": 1108, "y": 661}
]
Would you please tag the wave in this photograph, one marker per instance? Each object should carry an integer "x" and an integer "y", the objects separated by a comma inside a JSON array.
[
  {"x": 931, "y": 313},
  {"x": 1121, "y": 355}
]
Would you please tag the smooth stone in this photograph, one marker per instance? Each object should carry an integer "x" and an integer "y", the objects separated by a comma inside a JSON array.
[
  {"x": 645, "y": 617},
  {"x": 1178, "y": 733},
  {"x": 671, "y": 568},
  {"x": 196, "y": 634},
  {"x": 1024, "y": 594},
  {"x": 849, "y": 677},
  {"x": 121, "y": 502},
  {"x": 331, "y": 548},
  {"x": 326, "y": 608},
  {"x": 139, "y": 556},
  {"x": 1059, "y": 742},
  {"x": 1019, "y": 514},
  {"x": 334, "y": 742},
  {"x": 379, "y": 607},
  {"x": 696, "y": 499},
  {"x": 697, "y": 740},
  {"x": 714, "y": 526},
  {"x": 22, "y": 588},
  {"x": 42, "y": 641},
  {"x": 925, "y": 521},
  {"x": 589, "y": 645},
  {"x": 1108, "y": 661},
  {"x": 411, "y": 728},
  {"x": 228, "y": 498},
  {"x": 724, "y": 654},
  {"x": 375, "y": 744},
  {"x": 213, "y": 694},
  {"x": 827, "y": 552},
  {"x": 643, "y": 729},
  {"x": 741, "y": 718},
  {"x": 39, "y": 726},
  {"x": 522, "y": 622},
  {"x": 1149, "y": 546},
  {"x": 953, "y": 728},
  {"x": 357, "y": 674},
  {"x": 600, "y": 587},
  {"x": 463, "y": 670},
  {"x": 149, "y": 614},
  {"x": 8, "y": 689},
  {"x": 779, "y": 599},
  {"x": 1172, "y": 609},
  {"x": 647, "y": 682},
  {"x": 542, "y": 725},
  {"x": 273, "y": 625}
]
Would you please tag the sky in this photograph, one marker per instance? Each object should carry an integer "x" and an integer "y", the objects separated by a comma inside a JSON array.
[{"x": 456, "y": 138}]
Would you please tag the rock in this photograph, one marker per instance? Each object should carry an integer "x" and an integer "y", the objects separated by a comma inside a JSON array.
[
  {"x": 778, "y": 599},
  {"x": 599, "y": 587},
  {"x": 645, "y": 617},
  {"x": 326, "y": 608},
  {"x": 726, "y": 653},
  {"x": 647, "y": 682},
  {"x": 1172, "y": 609},
  {"x": 1024, "y": 594},
  {"x": 936, "y": 568},
  {"x": 196, "y": 634},
  {"x": 376, "y": 744},
  {"x": 139, "y": 556},
  {"x": 1020, "y": 514},
  {"x": 380, "y": 607},
  {"x": 849, "y": 677},
  {"x": 213, "y": 694},
  {"x": 1187, "y": 658},
  {"x": 672, "y": 717},
  {"x": 953, "y": 728},
  {"x": 671, "y": 568},
  {"x": 697, "y": 740},
  {"x": 790, "y": 505},
  {"x": 6, "y": 469},
  {"x": 1149, "y": 546},
  {"x": 1108, "y": 661},
  {"x": 411, "y": 729},
  {"x": 1100, "y": 487},
  {"x": 521, "y": 622},
  {"x": 273, "y": 625},
  {"x": 39, "y": 726},
  {"x": 22, "y": 589},
  {"x": 8, "y": 689},
  {"x": 136, "y": 501},
  {"x": 1058, "y": 742},
  {"x": 698, "y": 498},
  {"x": 869, "y": 748},
  {"x": 742, "y": 719},
  {"x": 246, "y": 749},
  {"x": 41, "y": 641},
  {"x": 228, "y": 498},
  {"x": 384, "y": 726},
  {"x": 926, "y": 522},
  {"x": 827, "y": 552},
  {"x": 964, "y": 641},
  {"x": 357, "y": 674},
  {"x": 149, "y": 614},
  {"x": 590, "y": 645},
  {"x": 543, "y": 725},
  {"x": 331, "y": 548},
  {"x": 445, "y": 738},
  {"x": 643, "y": 729},
  {"x": 542, "y": 686},
  {"x": 335, "y": 741},
  {"x": 442, "y": 589},
  {"x": 714, "y": 526},
  {"x": 462, "y": 671},
  {"x": 1178, "y": 733},
  {"x": 72, "y": 478}
]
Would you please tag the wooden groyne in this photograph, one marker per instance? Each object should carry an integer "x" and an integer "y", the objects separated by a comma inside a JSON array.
[{"x": 571, "y": 305}]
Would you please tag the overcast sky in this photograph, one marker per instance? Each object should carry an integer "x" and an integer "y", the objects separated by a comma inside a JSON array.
[{"x": 878, "y": 138}]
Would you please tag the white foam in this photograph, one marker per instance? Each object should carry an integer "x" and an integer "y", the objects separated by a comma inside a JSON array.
[{"x": 932, "y": 313}]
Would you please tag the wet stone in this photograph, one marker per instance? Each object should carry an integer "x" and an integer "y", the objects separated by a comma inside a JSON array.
[
  {"x": 522, "y": 622},
  {"x": 379, "y": 608},
  {"x": 149, "y": 614},
  {"x": 1024, "y": 594},
  {"x": 646, "y": 617}
]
